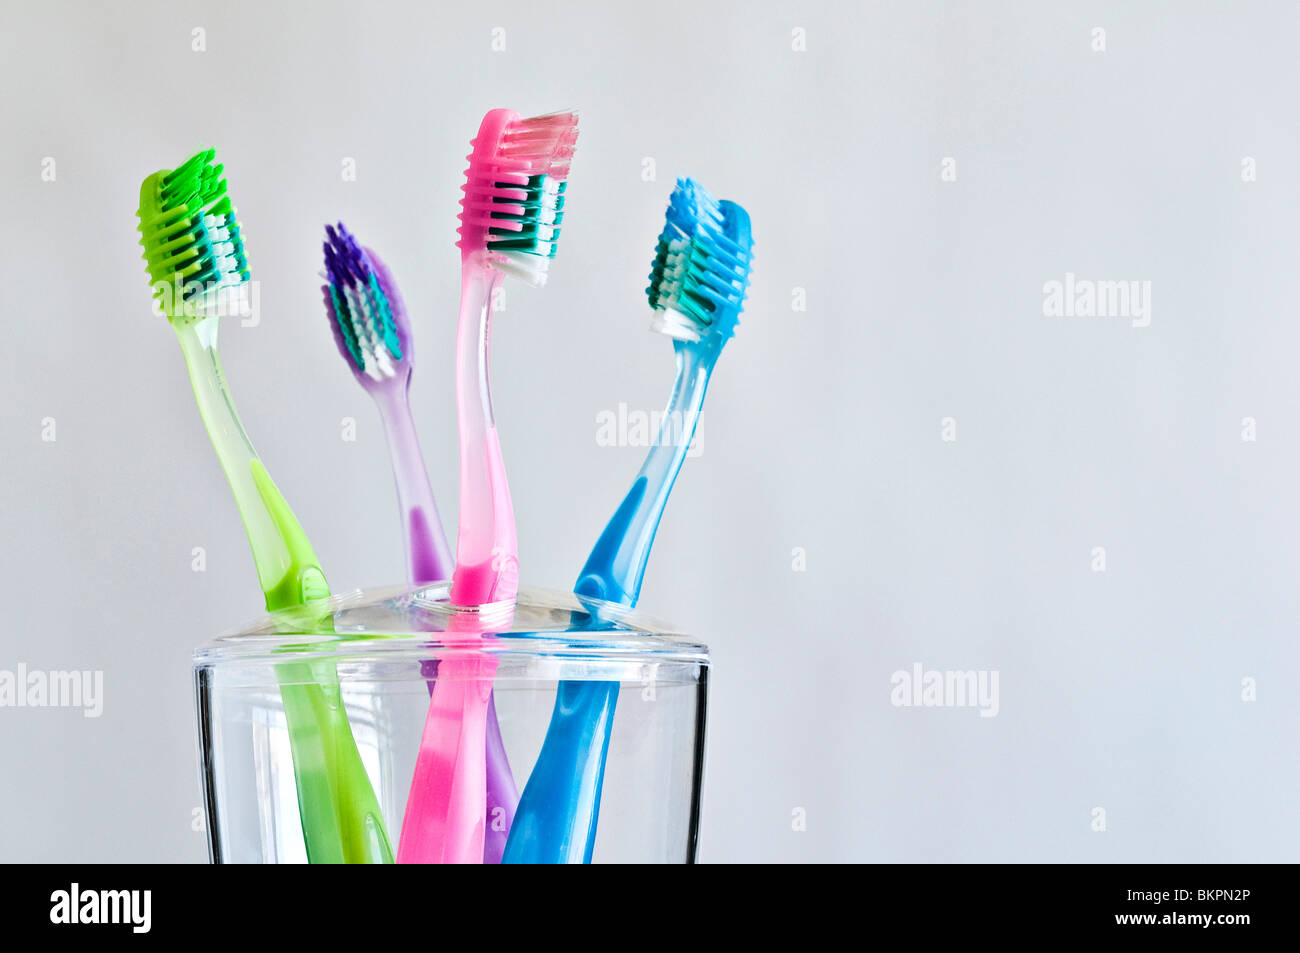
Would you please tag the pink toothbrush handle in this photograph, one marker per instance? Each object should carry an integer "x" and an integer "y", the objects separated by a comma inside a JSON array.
[
  {"x": 446, "y": 809},
  {"x": 487, "y": 564},
  {"x": 502, "y": 791},
  {"x": 494, "y": 575},
  {"x": 487, "y": 555}
]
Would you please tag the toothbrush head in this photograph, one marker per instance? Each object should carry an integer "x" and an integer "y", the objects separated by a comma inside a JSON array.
[
  {"x": 365, "y": 310},
  {"x": 193, "y": 248},
  {"x": 514, "y": 191},
  {"x": 701, "y": 267}
]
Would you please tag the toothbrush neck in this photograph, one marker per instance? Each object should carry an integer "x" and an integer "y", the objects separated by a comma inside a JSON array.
[
  {"x": 428, "y": 557},
  {"x": 487, "y": 558},
  {"x": 617, "y": 565},
  {"x": 286, "y": 566}
]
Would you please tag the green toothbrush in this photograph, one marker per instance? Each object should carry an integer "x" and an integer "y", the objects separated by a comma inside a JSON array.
[{"x": 195, "y": 257}]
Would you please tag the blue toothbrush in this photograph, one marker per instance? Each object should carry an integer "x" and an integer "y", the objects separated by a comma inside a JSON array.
[{"x": 697, "y": 290}]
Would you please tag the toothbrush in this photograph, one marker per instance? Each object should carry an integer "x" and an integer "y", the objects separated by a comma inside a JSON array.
[
  {"x": 697, "y": 290},
  {"x": 373, "y": 333},
  {"x": 510, "y": 217},
  {"x": 195, "y": 257}
]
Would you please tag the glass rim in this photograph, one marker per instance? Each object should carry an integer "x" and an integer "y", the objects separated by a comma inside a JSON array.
[{"x": 436, "y": 629}]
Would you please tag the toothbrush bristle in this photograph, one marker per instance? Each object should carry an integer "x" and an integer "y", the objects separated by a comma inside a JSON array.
[
  {"x": 514, "y": 193},
  {"x": 189, "y": 232},
  {"x": 700, "y": 272},
  {"x": 361, "y": 313}
]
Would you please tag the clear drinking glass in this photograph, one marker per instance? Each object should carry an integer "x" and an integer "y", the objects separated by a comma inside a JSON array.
[{"x": 381, "y": 644}]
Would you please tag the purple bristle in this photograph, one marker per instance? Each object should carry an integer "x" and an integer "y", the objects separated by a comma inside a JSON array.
[
  {"x": 359, "y": 279},
  {"x": 345, "y": 262}
]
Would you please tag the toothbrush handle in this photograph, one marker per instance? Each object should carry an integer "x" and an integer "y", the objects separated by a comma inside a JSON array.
[
  {"x": 341, "y": 819},
  {"x": 502, "y": 791},
  {"x": 339, "y": 813},
  {"x": 558, "y": 811},
  {"x": 487, "y": 554},
  {"x": 271, "y": 556},
  {"x": 446, "y": 816},
  {"x": 560, "y": 804},
  {"x": 303, "y": 579},
  {"x": 616, "y": 567},
  {"x": 487, "y": 564},
  {"x": 446, "y": 810},
  {"x": 428, "y": 557},
  {"x": 428, "y": 560}
]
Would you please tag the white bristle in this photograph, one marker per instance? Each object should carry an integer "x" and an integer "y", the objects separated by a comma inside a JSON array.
[
  {"x": 223, "y": 249},
  {"x": 530, "y": 268},
  {"x": 228, "y": 294},
  {"x": 370, "y": 341}
]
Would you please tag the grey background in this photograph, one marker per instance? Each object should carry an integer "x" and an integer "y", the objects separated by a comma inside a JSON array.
[{"x": 1119, "y": 690}]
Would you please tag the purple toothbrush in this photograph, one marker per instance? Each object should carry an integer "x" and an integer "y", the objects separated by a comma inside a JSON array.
[{"x": 373, "y": 333}]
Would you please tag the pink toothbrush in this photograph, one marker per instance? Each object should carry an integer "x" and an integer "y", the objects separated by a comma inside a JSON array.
[{"x": 510, "y": 218}]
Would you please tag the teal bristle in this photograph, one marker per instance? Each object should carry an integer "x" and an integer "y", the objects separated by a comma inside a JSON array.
[
  {"x": 701, "y": 266},
  {"x": 539, "y": 224}
]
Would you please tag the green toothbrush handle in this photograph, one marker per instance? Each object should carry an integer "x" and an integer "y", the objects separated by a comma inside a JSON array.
[
  {"x": 340, "y": 815},
  {"x": 302, "y": 580},
  {"x": 341, "y": 819}
]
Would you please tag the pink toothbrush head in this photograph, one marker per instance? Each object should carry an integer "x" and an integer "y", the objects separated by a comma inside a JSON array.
[{"x": 514, "y": 191}]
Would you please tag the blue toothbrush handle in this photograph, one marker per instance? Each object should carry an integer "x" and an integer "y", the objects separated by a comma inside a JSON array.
[
  {"x": 556, "y": 819},
  {"x": 555, "y": 822},
  {"x": 558, "y": 810}
]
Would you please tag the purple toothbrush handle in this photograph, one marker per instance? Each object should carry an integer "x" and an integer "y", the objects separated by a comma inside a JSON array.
[
  {"x": 429, "y": 561},
  {"x": 502, "y": 792},
  {"x": 428, "y": 556}
]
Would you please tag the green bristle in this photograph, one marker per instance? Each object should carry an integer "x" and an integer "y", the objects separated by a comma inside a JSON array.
[{"x": 179, "y": 212}]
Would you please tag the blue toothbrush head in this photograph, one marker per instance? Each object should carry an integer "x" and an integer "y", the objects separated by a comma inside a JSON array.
[
  {"x": 365, "y": 309},
  {"x": 701, "y": 267}
]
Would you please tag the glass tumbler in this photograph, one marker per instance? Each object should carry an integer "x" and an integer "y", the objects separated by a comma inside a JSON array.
[{"x": 382, "y": 648}]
